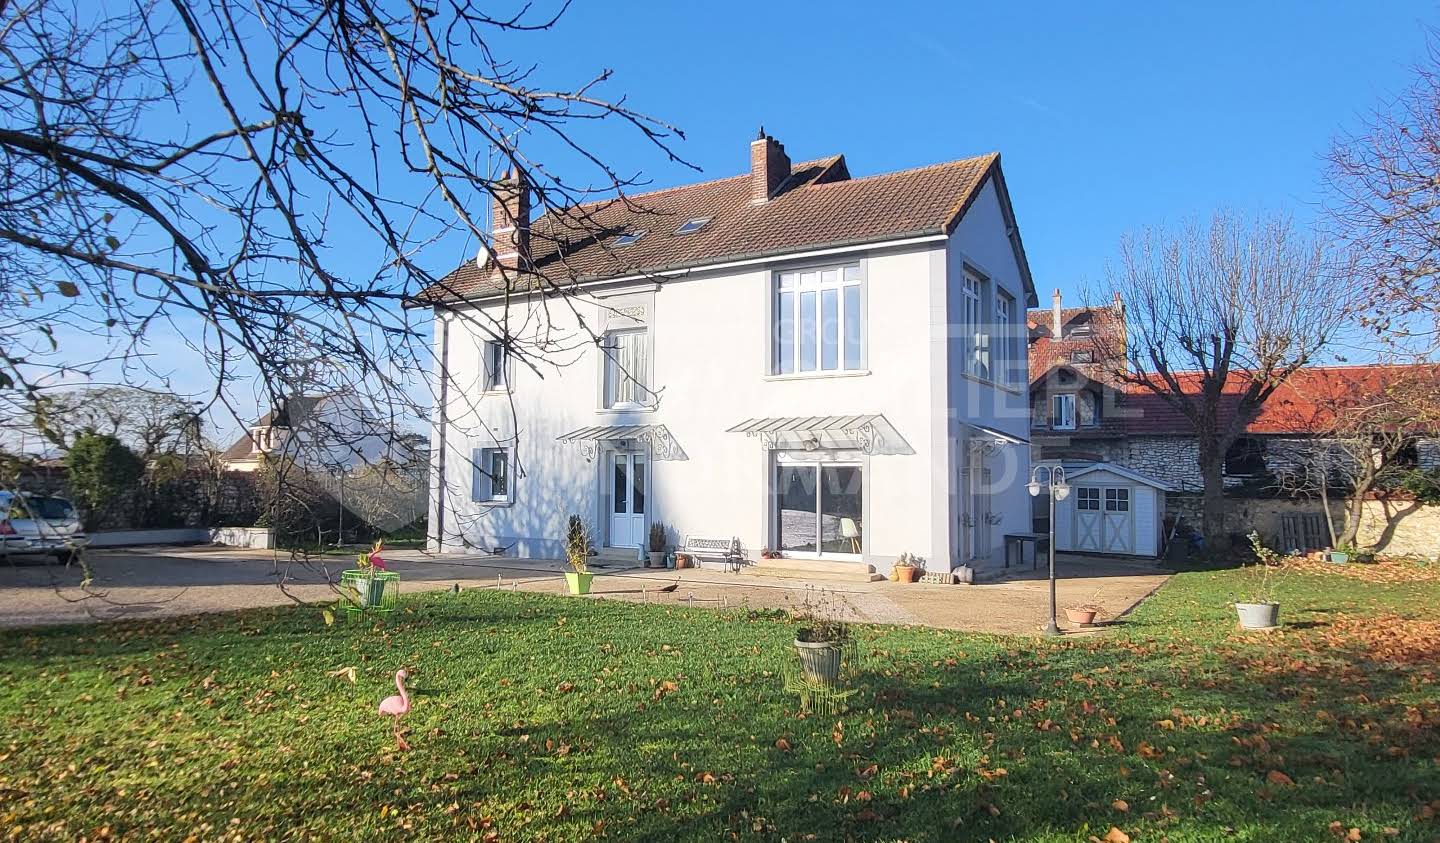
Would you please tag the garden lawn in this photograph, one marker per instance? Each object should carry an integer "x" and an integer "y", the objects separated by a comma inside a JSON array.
[{"x": 570, "y": 719}]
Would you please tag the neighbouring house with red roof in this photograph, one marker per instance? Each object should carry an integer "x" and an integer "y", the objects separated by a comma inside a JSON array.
[
  {"x": 1082, "y": 420},
  {"x": 793, "y": 359}
]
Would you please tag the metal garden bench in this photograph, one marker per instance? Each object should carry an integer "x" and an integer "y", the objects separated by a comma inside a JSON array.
[{"x": 726, "y": 551}]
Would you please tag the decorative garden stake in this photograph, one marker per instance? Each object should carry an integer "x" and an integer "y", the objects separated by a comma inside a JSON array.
[
  {"x": 397, "y": 706},
  {"x": 368, "y": 585}
]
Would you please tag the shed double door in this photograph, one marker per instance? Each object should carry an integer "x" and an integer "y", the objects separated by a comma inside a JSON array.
[{"x": 1104, "y": 519}]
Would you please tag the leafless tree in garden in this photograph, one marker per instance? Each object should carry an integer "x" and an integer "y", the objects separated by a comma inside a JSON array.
[
  {"x": 1384, "y": 182},
  {"x": 1218, "y": 315},
  {"x": 1363, "y": 433},
  {"x": 252, "y": 186}
]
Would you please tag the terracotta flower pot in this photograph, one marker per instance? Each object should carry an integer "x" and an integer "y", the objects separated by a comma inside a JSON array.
[
  {"x": 907, "y": 573},
  {"x": 1084, "y": 617}
]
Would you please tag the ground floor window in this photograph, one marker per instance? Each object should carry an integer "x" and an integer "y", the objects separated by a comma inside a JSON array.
[{"x": 818, "y": 509}]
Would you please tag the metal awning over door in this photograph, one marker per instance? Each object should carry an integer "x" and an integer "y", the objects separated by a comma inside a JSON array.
[{"x": 656, "y": 436}]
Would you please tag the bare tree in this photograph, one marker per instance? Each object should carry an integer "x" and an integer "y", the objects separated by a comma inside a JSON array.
[
  {"x": 1384, "y": 182},
  {"x": 1363, "y": 428},
  {"x": 1218, "y": 316},
  {"x": 251, "y": 187},
  {"x": 149, "y": 422}
]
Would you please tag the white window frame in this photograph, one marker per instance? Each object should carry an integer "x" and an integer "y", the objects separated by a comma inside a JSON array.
[
  {"x": 1007, "y": 360},
  {"x": 813, "y": 279},
  {"x": 785, "y": 460},
  {"x": 497, "y": 374},
  {"x": 612, "y": 371},
  {"x": 482, "y": 478},
  {"x": 1058, "y": 420},
  {"x": 978, "y": 362}
]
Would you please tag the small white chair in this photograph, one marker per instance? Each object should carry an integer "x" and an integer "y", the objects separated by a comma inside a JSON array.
[{"x": 850, "y": 530}]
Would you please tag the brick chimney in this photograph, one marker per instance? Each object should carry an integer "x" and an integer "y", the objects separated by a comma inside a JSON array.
[
  {"x": 1057, "y": 324},
  {"x": 769, "y": 166},
  {"x": 510, "y": 220}
]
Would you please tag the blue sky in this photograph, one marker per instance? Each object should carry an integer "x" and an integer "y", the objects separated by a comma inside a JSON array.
[{"x": 1109, "y": 116}]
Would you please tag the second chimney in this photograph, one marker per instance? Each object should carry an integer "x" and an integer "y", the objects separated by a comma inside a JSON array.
[
  {"x": 769, "y": 166},
  {"x": 1057, "y": 324},
  {"x": 510, "y": 220}
]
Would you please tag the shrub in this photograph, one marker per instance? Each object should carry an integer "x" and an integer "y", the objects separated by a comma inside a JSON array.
[{"x": 104, "y": 477}]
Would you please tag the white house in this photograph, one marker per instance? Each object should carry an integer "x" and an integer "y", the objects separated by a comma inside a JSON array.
[{"x": 830, "y": 367}]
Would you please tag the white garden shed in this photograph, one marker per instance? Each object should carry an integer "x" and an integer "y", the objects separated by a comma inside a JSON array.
[{"x": 1110, "y": 510}]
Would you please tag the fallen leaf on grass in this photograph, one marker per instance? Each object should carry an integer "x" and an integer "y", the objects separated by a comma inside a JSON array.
[
  {"x": 1115, "y": 835},
  {"x": 1120, "y": 805},
  {"x": 782, "y": 745},
  {"x": 1276, "y": 777}
]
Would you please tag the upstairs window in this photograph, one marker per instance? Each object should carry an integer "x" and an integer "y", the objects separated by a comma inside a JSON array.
[
  {"x": 977, "y": 338},
  {"x": 818, "y": 323},
  {"x": 1245, "y": 458},
  {"x": 628, "y": 238},
  {"x": 627, "y": 373},
  {"x": 692, "y": 225},
  {"x": 497, "y": 361},
  {"x": 1008, "y": 355},
  {"x": 1062, "y": 411},
  {"x": 1082, "y": 357}
]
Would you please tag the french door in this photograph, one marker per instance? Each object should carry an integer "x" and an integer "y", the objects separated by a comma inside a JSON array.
[
  {"x": 818, "y": 510},
  {"x": 627, "y": 499}
]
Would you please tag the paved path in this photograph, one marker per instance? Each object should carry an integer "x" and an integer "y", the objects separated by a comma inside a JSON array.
[{"x": 153, "y": 582}]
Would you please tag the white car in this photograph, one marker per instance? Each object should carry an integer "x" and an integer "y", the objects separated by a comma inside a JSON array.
[{"x": 39, "y": 524}]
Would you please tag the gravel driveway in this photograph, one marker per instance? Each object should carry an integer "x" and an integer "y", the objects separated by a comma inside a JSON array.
[{"x": 158, "y": 582}]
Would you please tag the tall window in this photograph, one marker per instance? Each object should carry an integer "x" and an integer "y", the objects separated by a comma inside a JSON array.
[
  {"x": 1062, "y": 411},
  {"x": 1008, "y": 357},
  {"x": 497, "y": 360},
  {"x": 818, "y": 509},
  {"x": 491, "y": 479},
  {"x": 977, "y": 339},
  {"x": 626, "y": 369},
  {"x": 818, "y": 321}
]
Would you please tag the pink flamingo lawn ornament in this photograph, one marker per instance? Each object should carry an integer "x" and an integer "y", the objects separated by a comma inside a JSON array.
[{"x": 397, "y": 706}]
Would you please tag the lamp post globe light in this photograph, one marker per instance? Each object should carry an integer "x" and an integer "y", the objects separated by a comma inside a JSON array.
[{"x": 1054, "y": 482}]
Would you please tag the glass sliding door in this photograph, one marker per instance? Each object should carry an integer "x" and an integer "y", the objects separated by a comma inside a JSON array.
[
  {"x": 795, "y": 509},
  {"x": 818, "y": 509}
]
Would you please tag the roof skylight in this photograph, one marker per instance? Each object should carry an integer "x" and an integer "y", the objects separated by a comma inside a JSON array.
[
  {"x": 629, "y": 237},
  {"x": 692, "y": 225}
]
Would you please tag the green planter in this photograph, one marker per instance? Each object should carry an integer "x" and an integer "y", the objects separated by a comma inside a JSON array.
[
  {"x": 579, "y": 583},
  {"x": 1339, "y": 557},
  {"x": 370, "y": 592}
]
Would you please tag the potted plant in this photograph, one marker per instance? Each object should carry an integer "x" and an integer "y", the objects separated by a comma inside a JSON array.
[
  {"x": 657, "y": 546},
  {"x": 820, "y": 639},
  {"x": 684, "y": 560},
  {"x": 908, "y": 568},
  {"x": 370, "y": 588},
  {"x": 577, "y": 555},
  {"x": 767, "y": 553},
  {"x": 1084, "y": 614},
  {"x": 1259, "y": 609}
]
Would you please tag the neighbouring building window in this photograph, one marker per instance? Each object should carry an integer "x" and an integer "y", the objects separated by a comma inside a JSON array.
[
  {"x": 1062, "y": 411},
  {"x": 1082, "y": 357},
  {"x": 1087, "y": 498},
  {"x": 627, "y": 372},
  {"x": 1245, "y": 458},
  {"x": 1117, "y": 500},
  {"x": 1008, "y": 356},
  {"x": 491, "y": 480},
  {"x": 497, "y": 361},
  {"x": 819, "y": 326},
  {"x": 977, "y": 339}
]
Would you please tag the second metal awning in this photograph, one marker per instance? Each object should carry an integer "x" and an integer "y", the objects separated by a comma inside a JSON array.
[
  {"x": 869, "y": 433},
  {"x": 656, "y": 436},
  {"x": 1000, "y": 437}
]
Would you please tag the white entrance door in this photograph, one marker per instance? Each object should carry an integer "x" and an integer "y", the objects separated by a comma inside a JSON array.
[
  {"x": 1087, "y": 518},
  {"x": 627, "y": 499},
  {"x": 1118, "y": 529}
]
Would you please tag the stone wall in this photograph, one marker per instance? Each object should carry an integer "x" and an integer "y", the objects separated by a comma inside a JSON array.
[{"x": 1401, "y": 528}]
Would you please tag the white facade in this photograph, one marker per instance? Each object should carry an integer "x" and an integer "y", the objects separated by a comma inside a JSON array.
[
  {"x": 1110, "y": 510},
  {"x": 706, "y": 342}
]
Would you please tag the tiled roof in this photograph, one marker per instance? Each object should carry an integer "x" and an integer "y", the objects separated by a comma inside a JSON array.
[
  {"x": 1107, "y": 331},
  {"x": 1302, "y": 405},
  {"x": 818, "y": 206}
]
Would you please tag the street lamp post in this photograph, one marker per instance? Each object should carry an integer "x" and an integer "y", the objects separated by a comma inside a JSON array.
[{"x": 1054, "y": 483}]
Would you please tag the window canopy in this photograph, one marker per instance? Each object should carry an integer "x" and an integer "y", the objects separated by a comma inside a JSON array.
[{"x": 870, "y": 434}]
